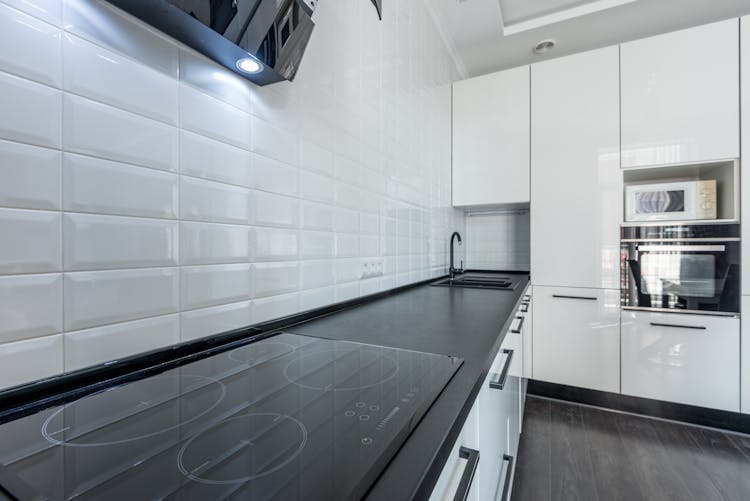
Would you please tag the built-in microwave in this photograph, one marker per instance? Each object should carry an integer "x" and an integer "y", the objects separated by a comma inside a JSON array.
[
  {"x": 681, "y": 267},
  {"x": 673, "y": 201}
]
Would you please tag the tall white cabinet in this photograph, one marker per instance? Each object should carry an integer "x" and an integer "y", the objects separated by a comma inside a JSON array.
[
  {"x": 491, "y": 139},
  {"x": 576, "y": 188},
  {"x": 680, "y": 96}
]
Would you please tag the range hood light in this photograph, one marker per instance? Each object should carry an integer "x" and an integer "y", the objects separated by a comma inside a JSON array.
[{"x": 249, "y": 65}]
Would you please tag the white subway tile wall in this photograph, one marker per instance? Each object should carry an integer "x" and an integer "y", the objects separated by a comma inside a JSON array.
[
  {"x": 498, "y": 241},
  {"x": 150, "y": 197}
]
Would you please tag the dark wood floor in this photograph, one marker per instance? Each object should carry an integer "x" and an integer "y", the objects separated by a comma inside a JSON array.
[{"x": 573, "y": 452}]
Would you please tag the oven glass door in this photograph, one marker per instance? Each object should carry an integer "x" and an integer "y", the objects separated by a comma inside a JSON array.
[{"x": 683, "y": 276}]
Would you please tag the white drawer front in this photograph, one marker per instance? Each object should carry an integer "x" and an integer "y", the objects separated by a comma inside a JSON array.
[
  {"x": 688, "y": 359},
  {"x": 577, "y": 337}
]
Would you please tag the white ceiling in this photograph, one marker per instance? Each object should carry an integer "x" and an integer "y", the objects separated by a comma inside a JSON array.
[{"x": 474, "y": 28}]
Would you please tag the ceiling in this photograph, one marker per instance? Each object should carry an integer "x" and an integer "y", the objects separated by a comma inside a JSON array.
[{"x": 482, "y": 43}]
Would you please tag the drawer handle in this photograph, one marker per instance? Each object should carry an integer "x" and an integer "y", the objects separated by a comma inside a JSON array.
[
  {"x": 678, "y": 326},
  {"x": 508, "y": 473},
  {"x": 524, "y": 308},
  {"x": 520, "y": 325},
  {"x": 472, "y": 457},
  {"x": 562, "y": 296},
  {"x": 527, "y": 297},
  {"x": 498, "y": 381}
]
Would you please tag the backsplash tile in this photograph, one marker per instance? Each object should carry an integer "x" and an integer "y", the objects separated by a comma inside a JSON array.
[
  {"x": 498, "y": 241},
  {"x": 151, "y": 197}
]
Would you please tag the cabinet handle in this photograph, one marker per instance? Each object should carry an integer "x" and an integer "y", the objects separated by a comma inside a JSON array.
[
  {"x": 508, "y": 473},
  {"x": 561, "y": 296},
  {"x": 678, "y": 326},
  {"x": 520, "y": 325},
  {"x": 498, "y": 380},
  {"x": 524, "y": 308},
  {"x": 527, "y": 297},
  {"x": 472, "y": 457}
]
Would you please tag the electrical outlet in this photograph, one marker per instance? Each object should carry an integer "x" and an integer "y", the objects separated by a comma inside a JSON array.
[{"x": 372, "y": 269}]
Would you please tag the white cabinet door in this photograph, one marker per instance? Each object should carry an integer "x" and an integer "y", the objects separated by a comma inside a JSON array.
[
  {"x": 577, "y": 337},
  {"x": 491, "y": 139},
  {"x": 680, "y": 96},
  {"x": 745, "y": 357},
  {"x": 688, "y": 359},
  {"x": 454, "y": 468},
  {"x": 527, "y": 311},
  {"x": 575, "y": 171}
]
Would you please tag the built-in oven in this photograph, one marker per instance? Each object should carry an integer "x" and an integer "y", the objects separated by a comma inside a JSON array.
[{"x": 691, "y": 268}]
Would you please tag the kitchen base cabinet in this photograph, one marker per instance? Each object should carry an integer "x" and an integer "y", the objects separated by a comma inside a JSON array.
[
  {"x": 687, "y": 359},
  {"x": 577, "y": 337}
]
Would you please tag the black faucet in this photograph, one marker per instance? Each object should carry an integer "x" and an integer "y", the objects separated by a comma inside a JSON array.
[{"x": 453, "y": 270}]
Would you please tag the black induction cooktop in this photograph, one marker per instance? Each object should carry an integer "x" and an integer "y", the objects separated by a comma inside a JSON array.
[{"x": 289, "y": 417}]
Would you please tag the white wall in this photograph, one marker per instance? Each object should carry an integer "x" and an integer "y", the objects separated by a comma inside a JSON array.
[
  {"x": 498, "y": 241},
  {"x": 149, "y": 197}
]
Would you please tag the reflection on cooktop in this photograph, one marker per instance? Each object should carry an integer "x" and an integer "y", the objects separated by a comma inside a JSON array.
[{"x": 288, "y": 417}]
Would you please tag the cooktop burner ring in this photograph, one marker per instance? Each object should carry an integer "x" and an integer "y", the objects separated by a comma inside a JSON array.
[
  {"x": 331, "y": 386},
  {"x": 259, "y": 344},
  {"x": 197, "y": 478},
  {"x": 49, "y": 435}
]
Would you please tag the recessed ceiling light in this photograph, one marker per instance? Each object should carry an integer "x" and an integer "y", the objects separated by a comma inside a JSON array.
[
  {"x": 249, "y": 65},
  {"x": 544, "y": 46}
]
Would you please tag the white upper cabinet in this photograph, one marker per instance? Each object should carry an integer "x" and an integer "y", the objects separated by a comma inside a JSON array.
[
  {"x": 491, "y": 139},
  {"x": 745, "y": 358},
  {"x": 576, "y": 184},
  {"x": 680, "y": 96}
]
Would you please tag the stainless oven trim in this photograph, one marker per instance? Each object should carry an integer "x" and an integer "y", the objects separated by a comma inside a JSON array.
[{"x": 689, "y": 312}]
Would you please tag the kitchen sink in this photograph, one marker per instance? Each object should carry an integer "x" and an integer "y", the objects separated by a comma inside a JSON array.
[{"x": 479, "y": 282}]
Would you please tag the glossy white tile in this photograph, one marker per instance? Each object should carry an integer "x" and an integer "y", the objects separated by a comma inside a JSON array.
[
  {"x": 276, "y": 244},
  {"x": 347, "y": 245},
  {"x": 275, "y": 307},
  {"x": 210, "y": 117},
  {"x": 95, "y": 242},
  {"x": 270, "y": 279},
  {"x": 105, "y": 187},
  {"x": 202, "y": 200},
  {"x": 32, "y": 112},
  {"x": 317, "y": 216},
  {"x": 316, "y": 158},
  {"x": 210, "y": 159},
  {"x": 35, "y": 52},
  {"x": 316, "y": 298},
  {"x": 103, "y": 75},
  {"x": 206, "y": 243},
  {"x": 46, "y": 10},
  {"x": 348, "y": 270},
  {"x": 346, "y": 220},
  {"x": 96, "y": 298},
  {"x": 276, "y": 177},
  {"x": 92, "y": 128},
  {"x": 90, "y": 347},
  {"x": 273, "y": 142},
  {"x": 30, "y": 306},
  {"x": 316, "y": 273},
  {"x": 196, "y": 324},
  {"x": 316, "y": 245},
  {"x": 347, "y": 291},
  {"x": 212, "y": 285},
  {"x": 15, "y": 365},
  {"x": 270, "y": 209},
  {"x": 31, "y": 241},
  {"x": 316, "y": 187},
  {"x": 30, "y": 176}
]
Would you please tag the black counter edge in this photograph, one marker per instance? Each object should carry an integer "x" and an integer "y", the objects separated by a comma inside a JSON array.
[
  {"x": 25, "y": 399},
  {"x": 701, "y": 416},
  {"x": 431, "y": 475}
]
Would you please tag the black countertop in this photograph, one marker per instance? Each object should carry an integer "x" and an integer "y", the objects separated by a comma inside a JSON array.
[{"x": 461, "y": 322}]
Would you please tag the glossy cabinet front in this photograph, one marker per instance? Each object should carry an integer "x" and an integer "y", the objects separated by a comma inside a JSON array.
[
  {"x": 577, "y": 337},
  {"x": 680, "y": 96},
  {"x": 745, "y": 178},
  {"x": 491, "y": 139},
  {"x": 576, "y": 183},
  {"x": 687, "y": 359}
]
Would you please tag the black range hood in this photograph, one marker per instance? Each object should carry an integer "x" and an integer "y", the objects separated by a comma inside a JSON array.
[{"x": 262, "y": 40}]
